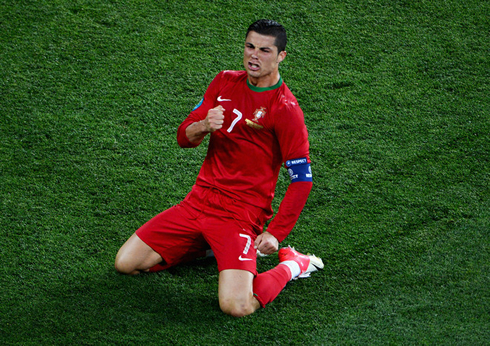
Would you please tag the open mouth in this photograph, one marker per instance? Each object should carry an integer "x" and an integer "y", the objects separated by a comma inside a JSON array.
[{"x": 253, "y": 67}]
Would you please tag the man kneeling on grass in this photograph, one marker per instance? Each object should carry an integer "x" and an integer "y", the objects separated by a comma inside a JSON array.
[{"x": 255, "y": 126}]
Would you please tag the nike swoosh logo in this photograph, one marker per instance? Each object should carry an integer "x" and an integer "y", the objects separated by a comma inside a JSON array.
[
  {"x": 244, "y": 259},
  {"x": 221, "y": 99}
]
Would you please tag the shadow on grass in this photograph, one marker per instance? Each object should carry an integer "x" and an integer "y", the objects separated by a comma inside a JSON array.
[{"x": 87, "y": 304}]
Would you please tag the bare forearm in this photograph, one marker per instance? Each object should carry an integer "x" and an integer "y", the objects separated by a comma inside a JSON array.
[{"x": 196, "y": 132}]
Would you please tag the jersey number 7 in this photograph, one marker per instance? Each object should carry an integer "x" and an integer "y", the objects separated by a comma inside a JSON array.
[{"x": 237, "y": 119}]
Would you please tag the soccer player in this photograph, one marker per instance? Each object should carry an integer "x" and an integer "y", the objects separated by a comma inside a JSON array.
[{"x": 255, "y": 126}]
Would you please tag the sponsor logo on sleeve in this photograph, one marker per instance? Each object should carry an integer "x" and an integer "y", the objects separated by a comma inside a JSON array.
[{"x": 199, "y": 104}]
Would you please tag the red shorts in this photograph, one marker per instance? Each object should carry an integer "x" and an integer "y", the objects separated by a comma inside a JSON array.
[{"x": 206, "y": 219}]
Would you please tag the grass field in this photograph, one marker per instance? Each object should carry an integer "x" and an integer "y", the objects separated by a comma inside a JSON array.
[{"x": 396, "y": 100}]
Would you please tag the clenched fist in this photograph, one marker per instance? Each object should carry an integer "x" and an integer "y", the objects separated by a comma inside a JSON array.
[
  {"x": 215, "y": 119},
  {"x": 266, "y": 243}
]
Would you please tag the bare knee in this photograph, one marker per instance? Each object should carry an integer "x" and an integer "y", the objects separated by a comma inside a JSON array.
[
  {"x": 237, "y": 308},
  {"x": 124, "y": 266},
  {"x": 235, "y": 293},
  {"x": 135, "y": 256}
]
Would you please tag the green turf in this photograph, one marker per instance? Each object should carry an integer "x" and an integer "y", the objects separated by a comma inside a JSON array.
[{"x": 396, "y": 100}]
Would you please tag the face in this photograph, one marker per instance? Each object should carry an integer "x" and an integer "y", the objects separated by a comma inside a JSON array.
[{"x": 261, "y": 59}]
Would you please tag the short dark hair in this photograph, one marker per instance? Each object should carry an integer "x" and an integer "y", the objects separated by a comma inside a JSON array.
[{"x": 270, "y": 28}]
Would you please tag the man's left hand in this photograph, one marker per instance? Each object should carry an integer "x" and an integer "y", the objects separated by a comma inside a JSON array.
[{"x": 266, "y": 243}]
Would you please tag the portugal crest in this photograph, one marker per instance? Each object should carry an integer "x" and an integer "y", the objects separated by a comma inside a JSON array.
[{"x": 258, "y": 114}]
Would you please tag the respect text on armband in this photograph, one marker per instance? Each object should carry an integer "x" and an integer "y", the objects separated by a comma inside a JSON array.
[
  {"x": 295, "y": 162},
  {"x": 299, "y": 170}
]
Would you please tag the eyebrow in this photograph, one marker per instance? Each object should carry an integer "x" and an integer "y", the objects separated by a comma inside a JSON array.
[{"x": 261, "y": 48}]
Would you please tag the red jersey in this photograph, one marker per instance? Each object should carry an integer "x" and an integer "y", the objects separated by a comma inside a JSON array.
[{"x": 263, "y": 128}]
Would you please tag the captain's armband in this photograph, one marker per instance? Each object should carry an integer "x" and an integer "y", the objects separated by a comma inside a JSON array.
[{"x": 299, "y": 170}]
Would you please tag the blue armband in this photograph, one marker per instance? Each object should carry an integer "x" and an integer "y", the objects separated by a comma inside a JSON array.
[{"x": 299, "y": 170}]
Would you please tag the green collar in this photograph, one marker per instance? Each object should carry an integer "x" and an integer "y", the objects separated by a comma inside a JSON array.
[{"x": 259, "y": 90}]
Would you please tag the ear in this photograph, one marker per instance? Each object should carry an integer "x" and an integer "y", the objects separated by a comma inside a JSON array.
[{"x": 281, "y": 56}]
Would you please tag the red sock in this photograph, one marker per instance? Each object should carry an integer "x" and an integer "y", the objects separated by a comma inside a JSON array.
[{"x": 268, "y": 285}]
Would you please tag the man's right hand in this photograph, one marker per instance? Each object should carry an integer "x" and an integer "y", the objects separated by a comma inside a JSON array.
[
  {"x": 196, "y": 132},
  {"x": 215, "y": 119}
]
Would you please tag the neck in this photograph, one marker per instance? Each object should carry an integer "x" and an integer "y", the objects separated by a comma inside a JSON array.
[{"x": 265, "y": 81}]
